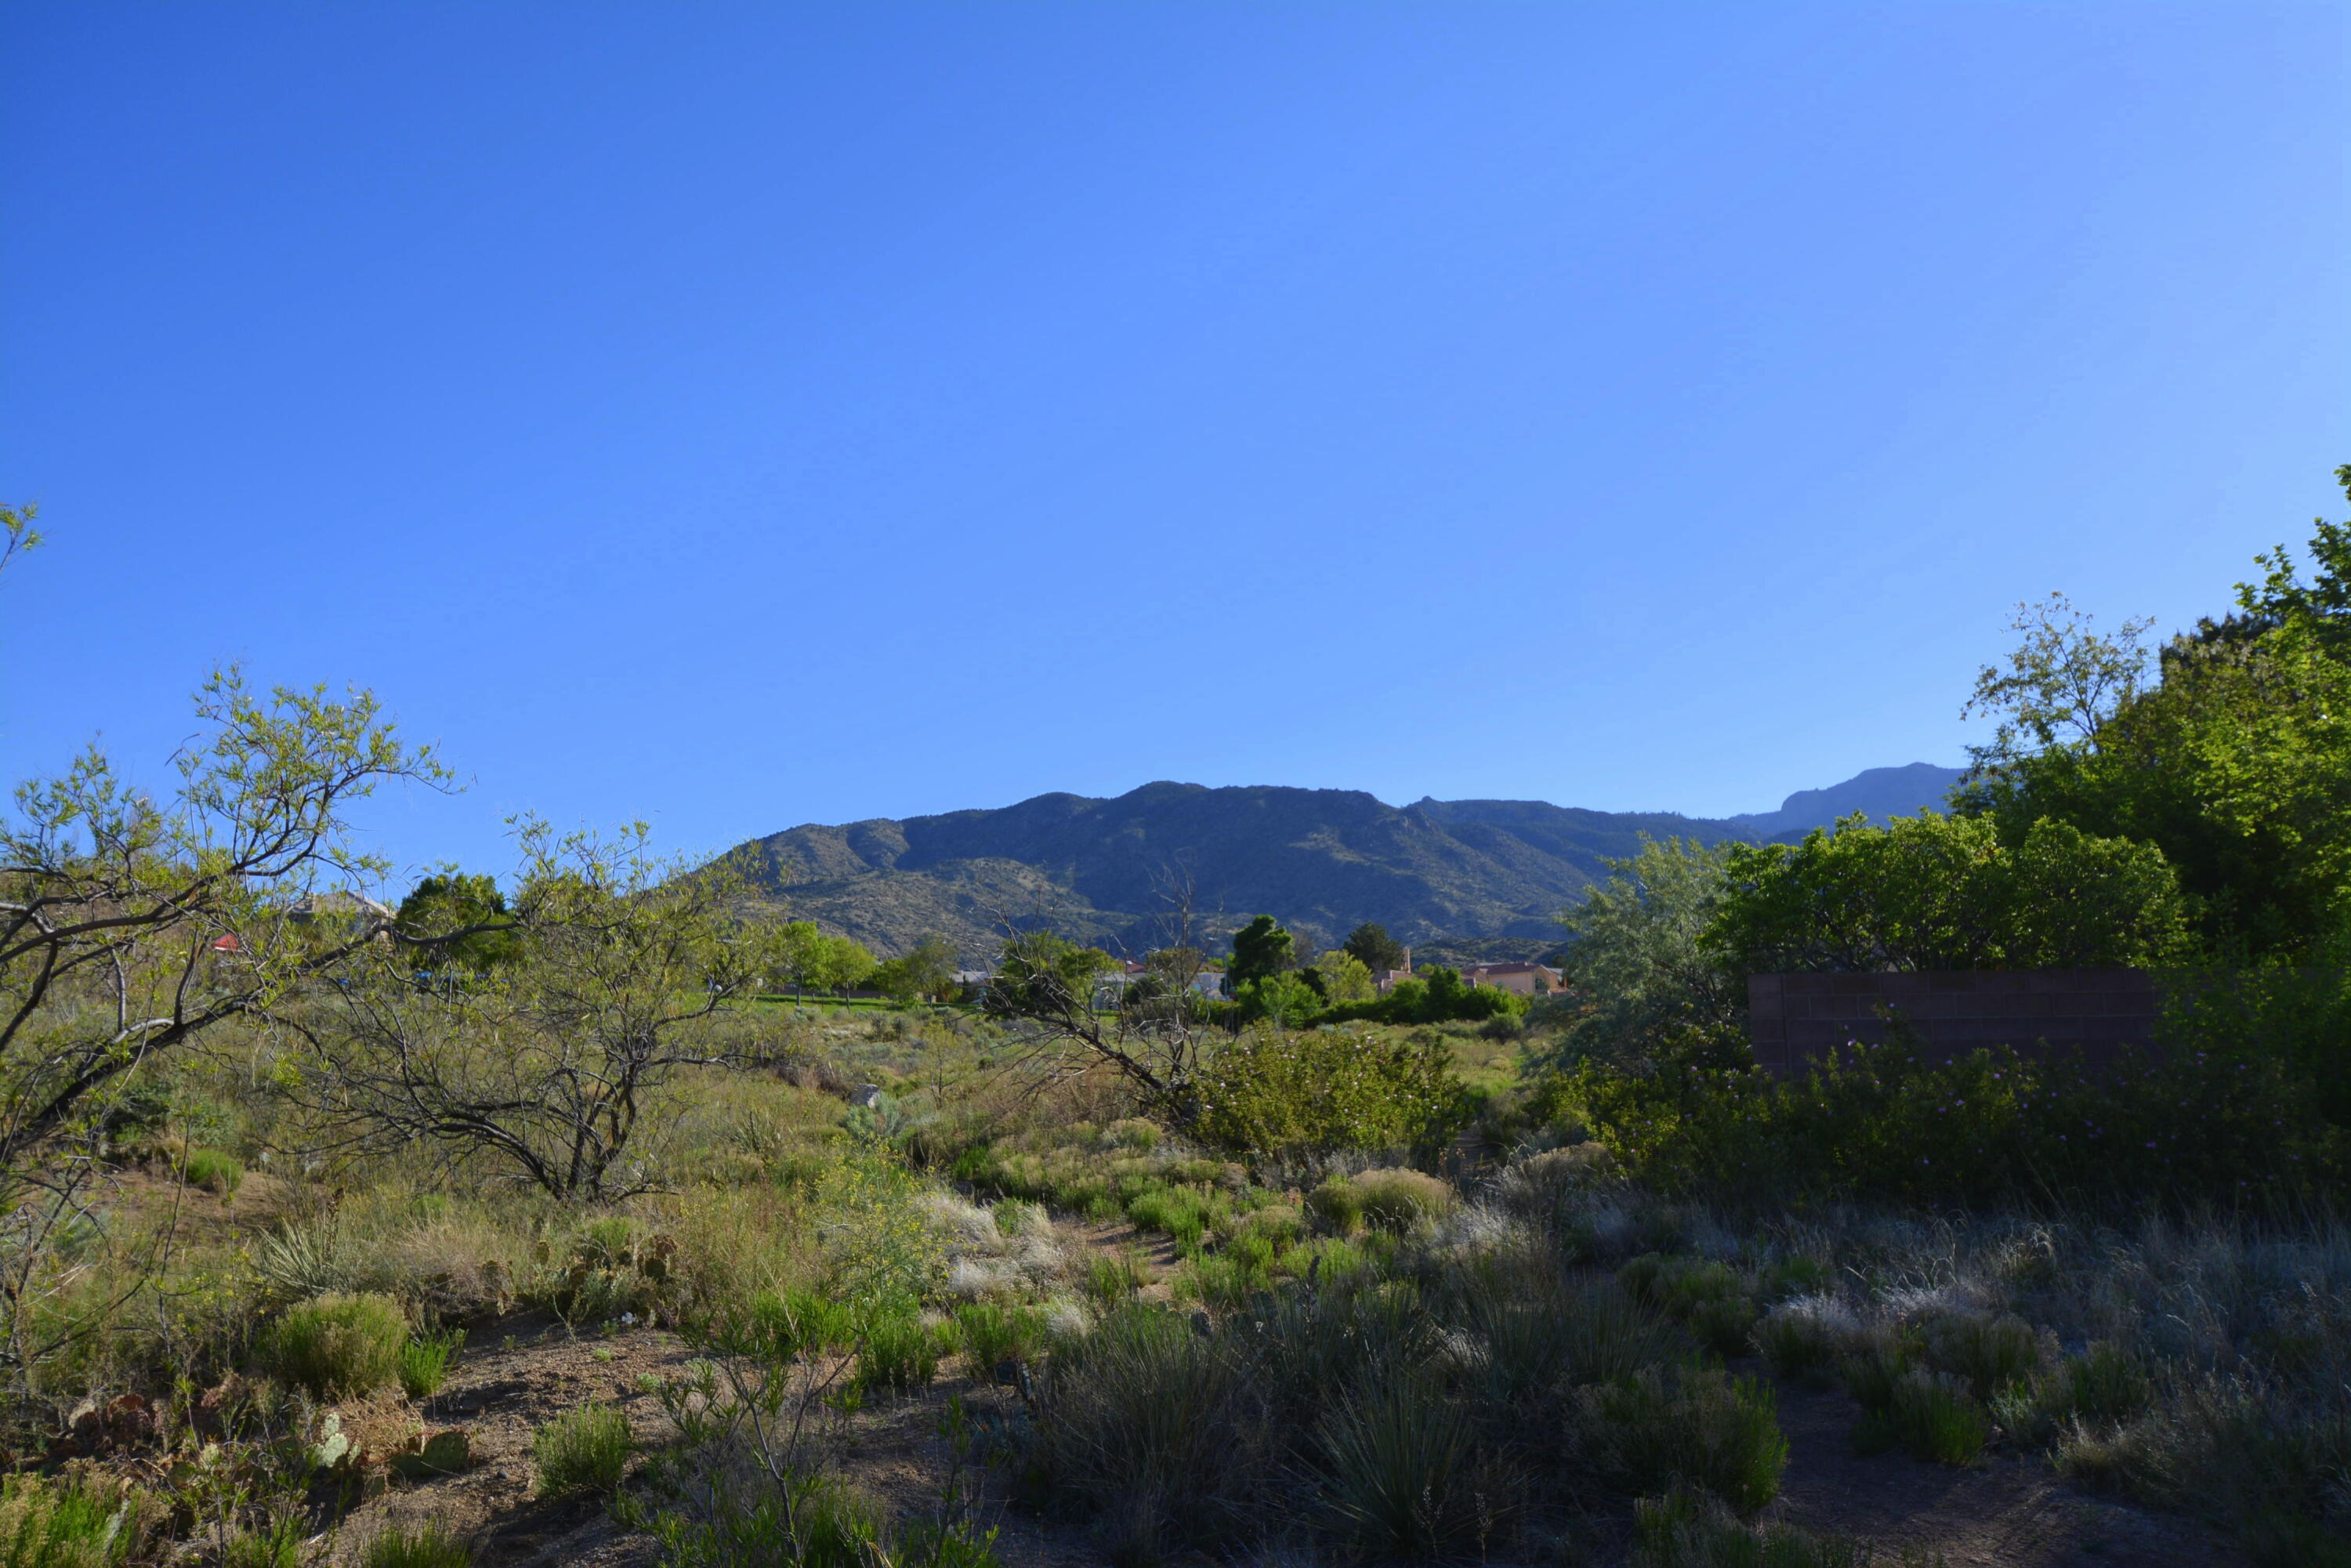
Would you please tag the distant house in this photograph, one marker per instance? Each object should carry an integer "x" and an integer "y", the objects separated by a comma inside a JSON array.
[
  {"x": 1384, "y": 981},
  {"x": 1526, "y": 979},
  {"x": 352, "y": 907}
]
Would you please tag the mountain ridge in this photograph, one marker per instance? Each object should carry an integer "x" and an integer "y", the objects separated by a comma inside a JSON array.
[{"x": 1109, "y": 870}]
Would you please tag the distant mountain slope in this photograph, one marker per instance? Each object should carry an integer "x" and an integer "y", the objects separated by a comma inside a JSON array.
[
  {"x": 1882, "y": 792},
  {"x": 1320, "y": 860}
]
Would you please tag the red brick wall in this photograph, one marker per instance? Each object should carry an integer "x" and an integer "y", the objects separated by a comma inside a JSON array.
[{"x": 1799, "y": 1018}]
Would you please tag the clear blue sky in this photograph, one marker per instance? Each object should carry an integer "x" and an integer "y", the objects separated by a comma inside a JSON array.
[{"x": 741, "y": 416}]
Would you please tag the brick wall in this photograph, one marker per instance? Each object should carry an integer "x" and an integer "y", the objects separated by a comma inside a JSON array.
[{"x": 1797, "y": 1017}]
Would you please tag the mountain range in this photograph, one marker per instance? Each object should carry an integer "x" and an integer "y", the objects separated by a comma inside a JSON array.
[{"x": 1495, "y": 873}]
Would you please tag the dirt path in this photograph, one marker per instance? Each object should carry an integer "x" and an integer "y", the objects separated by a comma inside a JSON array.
[
  {"x": 499, "y": 1394},
  {"x": 2008, "y": 1513}
]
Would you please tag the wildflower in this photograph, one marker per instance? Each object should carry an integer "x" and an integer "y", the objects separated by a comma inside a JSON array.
[{"x": 629, "y": 1319}]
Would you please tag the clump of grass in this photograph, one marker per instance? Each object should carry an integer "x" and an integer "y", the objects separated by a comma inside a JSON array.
[
  {"x": 1686, "y": 1529},
  {"x": 1336, "y": 1206},
  {"x": 998, "y": 1340},
  {"x": 430, "y": 1545},
  {"x": 582, "y": 1450},
  {"x": 1113, "y": 1279},
  {"x": 1804, "y": 1337},
  {"x": 338, "y": 1346},
  {"x": 1155, "y": 1428},
  {"x": 1688, "y": 1425},
  {"x": 1930, "y": 1415},
  {"x": 74, "y": 1523},
  {"x": 215, "y": 1170},
  {"x": 1131, "y": 1133},
  {"x": 423, "y": 1363},
  {"x": 899, "y": 1353},
  {"x": 1988, "y": 1353},
  {"x": 1399, "y": 1200},
  {"x": 1400, "y": 1474}
]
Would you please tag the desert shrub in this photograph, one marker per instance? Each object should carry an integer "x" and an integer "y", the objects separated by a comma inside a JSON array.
[
  {"x": 1399, "y": 1200},
  {"x": 1709, "y": 1298},
  {"x": 1930, "y": 1415},
  {"x": 1550, "y": 1188},
  {"x": 337, "y": 1346},
  {"x": 1337, "y": 1206},
  {"x": 1154, "y": 1427},
  {"x": 782, "y": 1326},
  {"x": 584, "y": 1449},
  {"x": 74, "y": 1523},
  {"x": 1792, "y": 1275},
  {"x": 1278, "y": 1223},
  {"x": 1687, "y": 1425},
  {"x": 1334, "y": 1262},
  {"x": 430, "y": 1545},
  {"x": 1883, "y": 1123},
  {"x": 899, "y": 1353},
  {"x": 1400, "y": 1474},
  {"x": 996, "y": 1337},
  {"x": 1271, "y": 1093},
  {"x": 1133, "y": 1133},
  {"x": 423, "y": 1363},
  {"x": 215, "y": 1171}
]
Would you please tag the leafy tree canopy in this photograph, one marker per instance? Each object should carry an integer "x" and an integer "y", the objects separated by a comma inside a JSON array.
[
  {"x": 1344, "y": 977},
  {"x": 1651, "y": 991},
  {"x": 1934, "y": 892},
  {"x": 452, "y": 901},
  {"x": 1260, "y": 948},
  {"x": 925, "y": 970},
  {"x": 2236, "y": 763},
  {"x": 1370, "y": 945}
]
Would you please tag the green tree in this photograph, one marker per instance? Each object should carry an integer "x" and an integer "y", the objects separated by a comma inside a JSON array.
[
  {"x": 1649, "y": 992},
  {"x": 2236, "y": 764},
  {"x": 16, "y": 524},
  {"x": 925, "y": 971},
  {"x": 1260, "y": 948},
  {"x": 1040, "y": 973},
  {"x": 469, "y": 906},
  {"x": 808, "y": 959},
  {"x": 552, "y": 1065},
  {"x": 130, "y": 925},
  {"x": 1936, "y": 891},
  {"x": 1344, "y": 978},
  {"x": 1285, "y": 999},
  {"x": 1370, "y": 945}
]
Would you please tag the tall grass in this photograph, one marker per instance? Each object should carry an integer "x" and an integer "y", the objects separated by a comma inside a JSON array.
[
  {"x": 78, "y": 1522},
  {"x": 585, "y": 1449},
  {"x": 338, "y": 1346}
]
